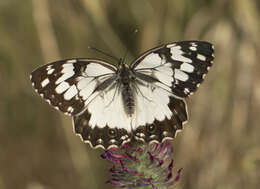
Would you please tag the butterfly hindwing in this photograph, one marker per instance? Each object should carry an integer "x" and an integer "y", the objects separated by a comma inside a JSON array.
[
  {"x": 104, "y": 137},
  {"x": 158, "y": 131},
  {"x": 158, "y": 114}
]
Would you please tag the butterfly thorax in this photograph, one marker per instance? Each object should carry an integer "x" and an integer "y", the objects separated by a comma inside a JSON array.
[{"x": 126, "y": 80}]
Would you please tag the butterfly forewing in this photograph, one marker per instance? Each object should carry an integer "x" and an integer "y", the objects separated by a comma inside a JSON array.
[
  {"x": 189, "y": 60},
  {"x": 69, "y": 85}
]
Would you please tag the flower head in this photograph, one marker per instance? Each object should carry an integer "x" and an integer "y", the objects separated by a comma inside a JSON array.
[{"x": 146, "y": 166}]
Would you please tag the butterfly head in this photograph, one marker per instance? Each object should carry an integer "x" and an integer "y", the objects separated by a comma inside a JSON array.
[{"x": 122, "y": 64}]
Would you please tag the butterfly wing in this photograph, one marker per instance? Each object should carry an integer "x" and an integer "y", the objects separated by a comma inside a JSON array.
[
  {"x": 100, "y": 137},
  {"x": 166, "y": 128},
  {"x": 69, "y": 85},
  {"x": 190, "y": 62},
  {"x": 87, "y": 90},
  {"x": 166, "y": 75}
]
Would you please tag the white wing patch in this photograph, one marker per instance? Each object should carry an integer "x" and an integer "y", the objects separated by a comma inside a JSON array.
[
  {"x": 150, "y": 61},
  {"x": 192, "y": 48},
  {"x": 86, "y": 87},
  {"x": 201, "y": 57},
  {"x": 164, "y": 74},
  {"x": 151, "y": 105},
  {"x": 71, "y": 92},
  {"x": 62, "y": 87},
  {"x": 108, "y": 109},
  {"x": 180, "y": 75},
  {"x": 160, "y": 69},
  {"x": 72, "y": 61},
  {"x": 94, "y": 70},
  {"x": 177, "y": 53},
  {"x": 68, "y": 72},
  {"x": 45, "y": 82},
  {"x": 49, "y": 72},
  {"x": 187, "y": 67}
]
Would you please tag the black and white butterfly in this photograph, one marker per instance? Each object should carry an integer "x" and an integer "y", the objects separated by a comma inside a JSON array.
[{"x": 112, "y": 105}]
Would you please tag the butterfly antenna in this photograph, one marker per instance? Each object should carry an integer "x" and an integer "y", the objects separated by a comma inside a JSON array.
[
  {"x": 134, "y": 32},
  {"x": 125, "y": 55},
  {"x": 104, "y": 53}
]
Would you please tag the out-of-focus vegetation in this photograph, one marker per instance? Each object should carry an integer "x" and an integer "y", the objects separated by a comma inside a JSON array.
[{"x": 219, "y": 147}]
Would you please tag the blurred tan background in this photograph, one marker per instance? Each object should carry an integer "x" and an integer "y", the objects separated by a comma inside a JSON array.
[{"x": 219, "y": 147}]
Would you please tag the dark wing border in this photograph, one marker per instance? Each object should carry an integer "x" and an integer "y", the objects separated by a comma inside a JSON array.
[{"x": 105, "y": 138}]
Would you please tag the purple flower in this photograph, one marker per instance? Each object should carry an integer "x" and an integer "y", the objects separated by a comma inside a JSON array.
[{"x": 148, "y": 166}]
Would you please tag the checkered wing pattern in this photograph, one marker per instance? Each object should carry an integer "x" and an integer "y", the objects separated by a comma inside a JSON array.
[{"x": 165, "y": 76}]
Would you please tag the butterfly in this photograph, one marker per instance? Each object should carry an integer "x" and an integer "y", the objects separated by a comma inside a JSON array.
[{"x": 113, "y": 104}]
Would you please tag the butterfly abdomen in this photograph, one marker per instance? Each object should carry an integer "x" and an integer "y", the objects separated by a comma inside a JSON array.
[
  {"x": 128, "y": 99},
  {"x": 127, "y": 92}
]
